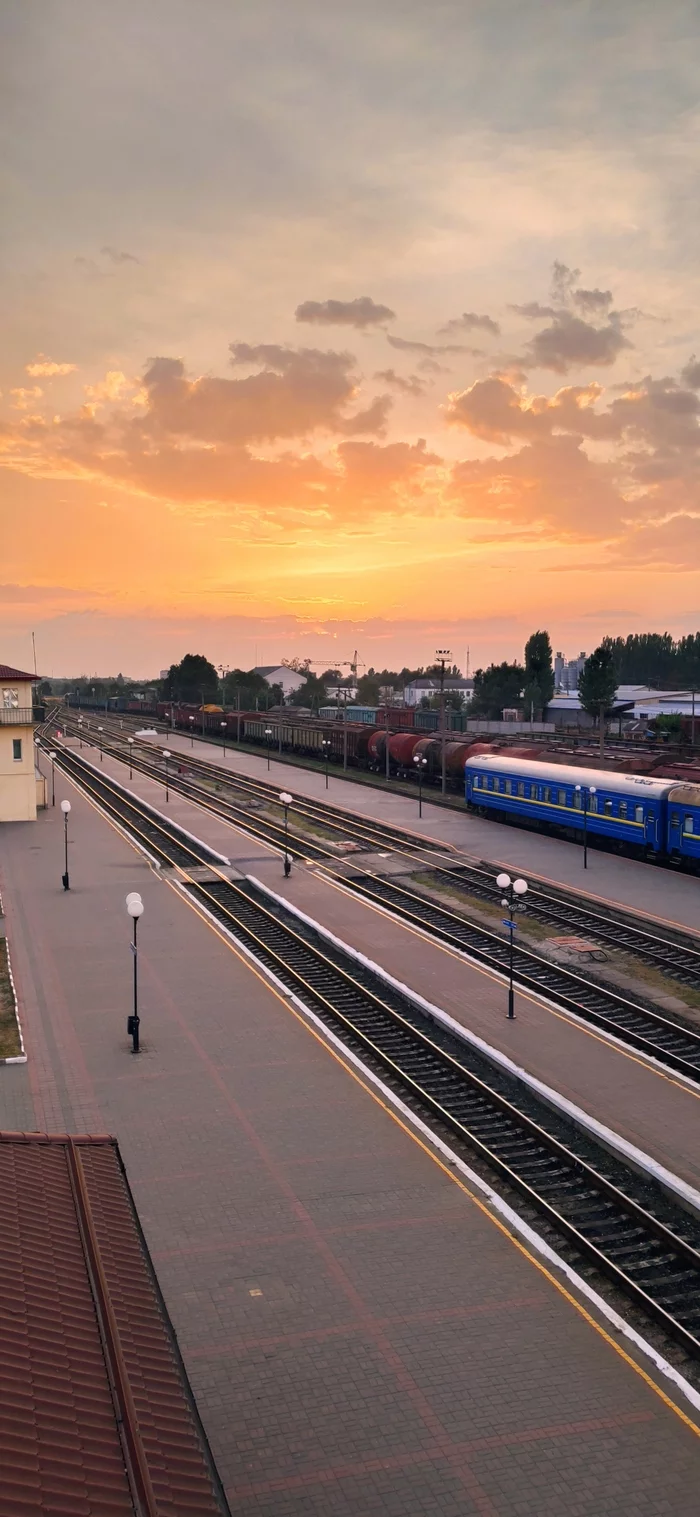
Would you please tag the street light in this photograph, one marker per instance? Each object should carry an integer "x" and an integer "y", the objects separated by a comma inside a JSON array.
[
  {"x": 80, "y": 730},
  {"x": 268, "y": 735},
  {"x": 100, "y": 732},
  {"x": 286, "y": 801},
  {"x": 166, "y": 756},
  {"x": 325, "y": 744},
  {"x": 191, "y": 719},
  {"x": 52, "y": 757},
  {"x": 420, "y": 765},
  {"x": 65, "y": 808},
  {"x": 585, "y": 792},
  {"x": 512, "y": 890},
  {"x": 223, "y": 734},
  {"x": 130, "y": 741},
  {"x": 443, "y": 656},
  {"x": 134, "y": 906}
]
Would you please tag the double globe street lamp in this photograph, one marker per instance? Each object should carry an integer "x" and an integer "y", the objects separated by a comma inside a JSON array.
[
  {"x": 65, "y": 808},
  {"x": 166, "y": 756},
  {"x": 513, "y": 892},
  {"x": 585, "y": 793},
  {"x": 286, "y": 801},
  {"x": 134, "y": 906},
  {"x": 130, "y": 741},
  {"x": 268, "y": 735},
  {"x": 420, "y": 764},
  {"x": 52, "y": 756}
]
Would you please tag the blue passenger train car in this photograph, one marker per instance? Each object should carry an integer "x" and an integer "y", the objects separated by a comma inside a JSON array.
[
  {"x": 683, "y": 835},
  {"x": 628, "y": 809}
]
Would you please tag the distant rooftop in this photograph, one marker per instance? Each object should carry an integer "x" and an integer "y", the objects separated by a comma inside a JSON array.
[{"x": 7, "y": 672}]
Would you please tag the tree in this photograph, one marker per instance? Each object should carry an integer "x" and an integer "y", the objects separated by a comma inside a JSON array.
[
  {"x": 597, "y": 681},
  {"x": 497, "y": 689},
  {"x": 245, "y": 690},
  {"x": 312, "y": 693},
  {"x": 539, "y": 673},
  {"x": 368, "y": 689},
  {"x": 45, "y": 687},
  {"x": 194, "y": 680}
]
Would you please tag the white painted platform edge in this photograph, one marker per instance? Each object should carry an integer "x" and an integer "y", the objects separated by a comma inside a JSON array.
[
  {"x": 497, "y": 974},
  {"x": 17, "y": 1058},
  {"x": 582, "y": 1118},
  {"x": 511, "y": 1219},
  {"x": 220, "y": 857}
]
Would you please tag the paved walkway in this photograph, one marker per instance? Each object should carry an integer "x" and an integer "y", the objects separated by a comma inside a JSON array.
[
  {"x": 655, "y": 1111},
  {"x": 659, "y": 892},
  {"x": 361, "y": 1337}
]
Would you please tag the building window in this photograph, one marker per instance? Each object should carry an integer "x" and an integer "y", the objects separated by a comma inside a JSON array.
[
  {"x": 639, "y": 813},
  {"x": 17, "y": 749},
  {"x": 10, "y": 699}
]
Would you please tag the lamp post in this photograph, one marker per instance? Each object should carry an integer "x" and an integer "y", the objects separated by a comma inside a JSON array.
[
  {"x": 191, "y": 720},
  {"x": 134, "y": 906},
  {"x": 513, "y": 890},
  {"x": 585, "y": 792},
  {"x": 286, "y": 801},
  {"x": 65, "y": 808},
  {"x": 100, "y": 732},
  {"x": 223, "y": 734},
  {"x": 442, "y": 655},
  {"x": 268, "y": 735},
  {"x": 80, "y": 730},
  {"x": 52, "y": 757},
  {"x": 325, "y": 744},
  {"x": 420, "y": 765},
  {"x": 166, "y": 756}
]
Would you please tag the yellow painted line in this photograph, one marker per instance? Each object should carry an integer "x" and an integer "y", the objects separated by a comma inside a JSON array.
[{"x": 525, "y": 995}]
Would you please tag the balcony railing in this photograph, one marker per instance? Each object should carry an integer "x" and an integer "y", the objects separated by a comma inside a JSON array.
[{"x": 17, "y": 716}]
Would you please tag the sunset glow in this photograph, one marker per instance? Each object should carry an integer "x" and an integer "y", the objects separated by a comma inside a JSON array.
[{"x": 325, "y": 336}]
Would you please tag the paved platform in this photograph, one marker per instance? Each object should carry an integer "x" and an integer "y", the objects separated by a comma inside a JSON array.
[
  {"x": 627, "y": 882},
  {"x": 655, "y": 1111},
  {"x": 361, "y": 1336}
]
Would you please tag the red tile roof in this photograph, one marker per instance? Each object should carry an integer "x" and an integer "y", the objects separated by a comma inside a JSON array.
[
  {"x": 96, "y": 1414},
  {"x": 6, "y": 672}
]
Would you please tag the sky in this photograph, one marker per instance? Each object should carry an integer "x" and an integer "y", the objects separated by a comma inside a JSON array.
[{"x": 334, "y": 327}]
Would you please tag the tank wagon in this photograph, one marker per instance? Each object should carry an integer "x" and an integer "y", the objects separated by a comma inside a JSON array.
[{"x": 646, "y": 817}]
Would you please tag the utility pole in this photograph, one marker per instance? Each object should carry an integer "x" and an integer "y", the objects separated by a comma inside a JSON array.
[{"x": 442, "y": 655}]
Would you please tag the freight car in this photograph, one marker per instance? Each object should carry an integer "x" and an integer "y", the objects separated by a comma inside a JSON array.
[{"x": 646, "y": 817}]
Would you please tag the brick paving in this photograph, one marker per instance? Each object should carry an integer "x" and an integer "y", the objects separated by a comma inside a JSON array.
[
  {"x": 361, "y": 1339},
  {"x": 624, "y": 881}
]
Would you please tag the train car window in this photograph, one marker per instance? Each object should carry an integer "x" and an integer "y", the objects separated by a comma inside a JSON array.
[
  {"x": 577, "y": 800},
  {"x": 509, "y": 787},
  {"x": 675, "y": 819},
  {"x": 639, "y": 813},
  {"x": 688, "y": 824},
  {"x": 521, "y": 788},
  {"x": 593, "y": 803},
  {"x": 545, "y": 793},
  {"x": 607, "y": 805},
  {"x": 562, "y": 797},
  {"x": 623, "y": 809}
]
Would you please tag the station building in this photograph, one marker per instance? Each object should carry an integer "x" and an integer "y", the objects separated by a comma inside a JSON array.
[{"x": 21, "y": 787}]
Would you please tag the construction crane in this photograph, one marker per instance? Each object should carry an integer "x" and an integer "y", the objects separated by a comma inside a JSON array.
[{"x": 353, "y": 664}]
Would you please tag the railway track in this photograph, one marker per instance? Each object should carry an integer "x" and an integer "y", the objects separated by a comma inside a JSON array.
[
  {"x": 678, "y": 958},
  {"x": 593, "y": 1205}
]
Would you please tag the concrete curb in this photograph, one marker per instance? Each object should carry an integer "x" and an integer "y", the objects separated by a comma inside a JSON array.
[{"x": 18, "y": 1058}]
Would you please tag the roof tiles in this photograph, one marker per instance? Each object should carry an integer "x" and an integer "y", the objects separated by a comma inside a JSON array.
[{"x": 84, "y": 1332}]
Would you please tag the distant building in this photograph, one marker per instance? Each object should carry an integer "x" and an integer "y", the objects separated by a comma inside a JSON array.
[
  {"x": 18, "y": 778},
  {"x": 280, "y": 674},
  {"x": 566, "y": 671},
  {"x": 414, "y": 692}
]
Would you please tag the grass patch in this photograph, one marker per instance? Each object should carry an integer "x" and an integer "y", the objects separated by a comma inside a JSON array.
[{"x": 10, "y": 1045}]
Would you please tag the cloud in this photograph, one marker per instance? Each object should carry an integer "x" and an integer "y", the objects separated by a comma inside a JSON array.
[
  {"x": 493, "y": 410},
  {"x": 26, "y": 398},
  {"x": 533, "y": 311},
  {"x": 373, "y": 469},
  {"x": 116, "y": 256},
  {"x": 592, "y": 301},
  {"x": 362, "y": 312},
  {"x": 404, "y": 346},
  {"x": 470, "y": 322},
  {"x": 691, "y": 373},
  {"x": 550, "y": 484},
  {"x": 20, "y": 595},
  {"x": 411, "y": 386},
  {"x": 46, "y": 368},
  {"x": 570, "y": 342}
]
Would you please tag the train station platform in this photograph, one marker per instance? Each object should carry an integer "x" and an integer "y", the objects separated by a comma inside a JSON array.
[
  {"x": 650, "y": 1108},
  {"x": 362, "y": 1337},
  {"x": 655, "y": 891}
]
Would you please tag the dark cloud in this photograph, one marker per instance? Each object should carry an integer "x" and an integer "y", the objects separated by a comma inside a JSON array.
[
  {"x": 404, "y": 346},
  {"x": 533, "y": 310},
  {"x": 592, "y": 301},
  {"x": 117, "y": 256},
  {"x": 411, "y": 386},
  {"x": 563, "y": 281},
  {"x": 569, "y": 341},
  {"x": 494, "y": 411},
  {"x": 431, "y": 366},
  {"x": 469, "y": 321},
  {"x": 691, "y": 373},
  {"x": 362, "y": 312}
]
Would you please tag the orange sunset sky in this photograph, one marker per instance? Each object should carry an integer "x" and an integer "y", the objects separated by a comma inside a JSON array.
[{"x": 333, "y": 326}]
